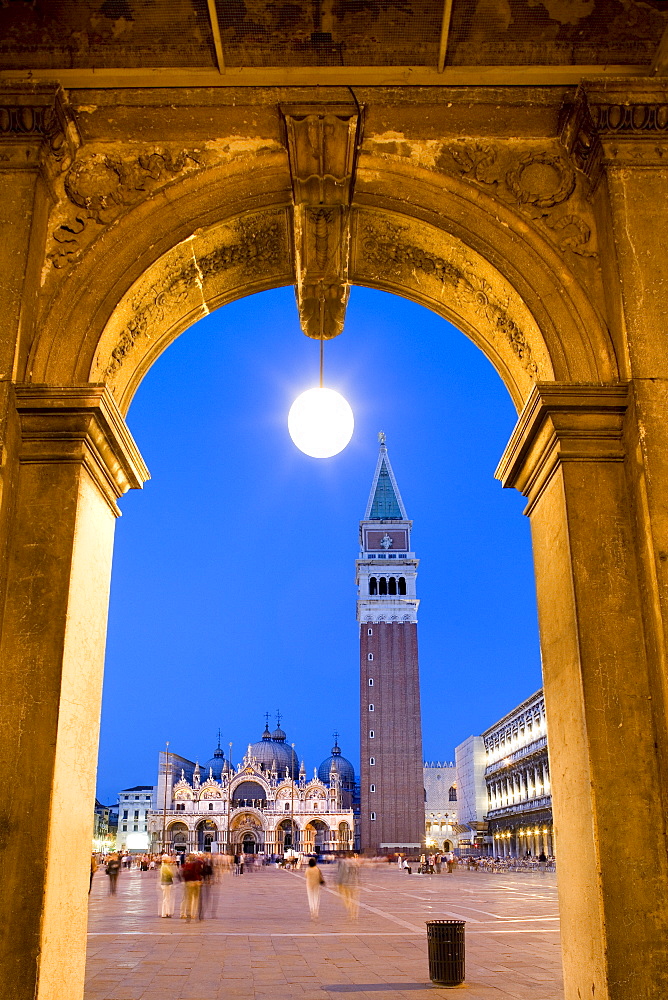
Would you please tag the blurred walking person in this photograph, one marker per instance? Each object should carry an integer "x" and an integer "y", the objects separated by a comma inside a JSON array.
[
  {"x": 93, "y": 869},
  {"x": 314, "y": 882},
  {"x": 191, "y": 874},
  {"x": 167, "y": 872},
  {"x": 112, "y": 869},
  {"x": 348, "y": 884}
]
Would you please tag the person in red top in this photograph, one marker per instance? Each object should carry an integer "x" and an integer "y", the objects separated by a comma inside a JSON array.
[{"x": 191, "y": 875}]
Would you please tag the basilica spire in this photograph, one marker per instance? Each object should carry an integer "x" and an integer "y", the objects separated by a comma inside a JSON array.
[{"x": 385, "y": 503}]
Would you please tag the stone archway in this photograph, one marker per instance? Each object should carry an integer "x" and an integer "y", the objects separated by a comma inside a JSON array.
[{"x": 124, "y": 251}]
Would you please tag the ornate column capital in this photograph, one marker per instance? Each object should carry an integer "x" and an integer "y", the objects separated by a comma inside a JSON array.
[
  {"x": 80, "y": 425},
  {"x": 561, "y": 423},
  {"x": 615, "y": 123},
  {"x": 37, "y": 127}
]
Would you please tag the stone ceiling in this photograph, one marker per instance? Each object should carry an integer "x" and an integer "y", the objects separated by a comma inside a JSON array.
[{"x": 223, "y": 35}]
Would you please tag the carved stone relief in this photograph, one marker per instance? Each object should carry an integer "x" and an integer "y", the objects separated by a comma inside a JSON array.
[
  {"x": 101, "y": 185},
  {"x": 540, "y": 183},
  {"x": 189, "y": 276},
  {"x": 322, "y": 146},
  {"x": 447, "y": 271}
]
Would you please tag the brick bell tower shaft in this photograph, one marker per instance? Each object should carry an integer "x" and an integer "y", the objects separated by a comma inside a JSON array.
[{"x": 392, "y": 792}]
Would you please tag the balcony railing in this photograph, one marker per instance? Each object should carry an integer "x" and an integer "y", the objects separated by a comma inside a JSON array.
[{"x": 527, "y": 805}]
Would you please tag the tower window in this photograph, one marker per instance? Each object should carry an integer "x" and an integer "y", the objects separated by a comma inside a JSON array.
[
  {"x": 371, "y": 682},
  {"x": 210, "y": 806},
  {"x": 452, "y": 794},
  {"x": 371, "y": 708},
  {"x": 372, "y": 735},
  {"x": 372, "y": 788},
  {"x": 369, "y": 656},
  {"x": 287, "y": 806},
  {"x": 369, "y": 631},
  {"x": 393, "y": 586},
  {"x": 373, "y": 586},
  {"x": 372, "y": 761},
  {"x": 402, "y": 585},
  {"x": 373, "y": 815},
  {"x": 382, "y": 585}
]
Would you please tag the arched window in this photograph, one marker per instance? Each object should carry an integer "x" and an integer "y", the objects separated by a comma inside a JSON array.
[
  {"x": 372, "y": 788},
  {"x": 369, "y": 631},
  {"x": 402, "y": 586},
  {"x": 371, "y": 708},
  {"x": 371, "y": 682},
  {"x": 372, "y": 761},
  {"x": 372, "y": 735},
  {"x": 393, "y": 586},
  {"x": 373, "y": 815},
  {"x": 382, "y": 585},
  {"x": 287, "y": 806},
  {"x": 452, "y": 793},
  {"x": 369, "y": 656},
  {"x": 373, "y": 588}
]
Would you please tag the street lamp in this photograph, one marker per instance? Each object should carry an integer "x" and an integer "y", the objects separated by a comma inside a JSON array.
[
  {"x": 167, "y": 773},
  {"x": 320, "y": 420}
]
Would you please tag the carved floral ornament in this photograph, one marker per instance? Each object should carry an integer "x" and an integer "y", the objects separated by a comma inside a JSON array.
[
  {"x": 540, "y": 183},
  {"x": 102, "y": 185},
  {"x": 389, "y": 248}
]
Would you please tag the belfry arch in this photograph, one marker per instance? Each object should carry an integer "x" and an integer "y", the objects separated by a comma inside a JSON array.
[{"x": 540, "y": 249}]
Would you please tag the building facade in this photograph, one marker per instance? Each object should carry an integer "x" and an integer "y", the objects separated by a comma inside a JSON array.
[
  {"x": 391, "y": 789},
  {"x": 134, "y": 807},
  {"x": 264, "y": 805},
  {"x": 517, "y": 782},
  {"x": 441, "y": 822},
  {"x": 472, "y": 795}
]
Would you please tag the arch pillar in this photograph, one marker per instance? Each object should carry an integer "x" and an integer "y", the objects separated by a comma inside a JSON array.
[
  {"x": 69, "y": 457},
  {"x": 568, "y": 455}
]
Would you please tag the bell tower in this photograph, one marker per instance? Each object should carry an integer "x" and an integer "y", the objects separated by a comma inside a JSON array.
[{"x": 392, "y": 792}]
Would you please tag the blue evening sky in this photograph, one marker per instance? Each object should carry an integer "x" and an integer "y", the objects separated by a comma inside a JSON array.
[{"x": 233, "y": 589}]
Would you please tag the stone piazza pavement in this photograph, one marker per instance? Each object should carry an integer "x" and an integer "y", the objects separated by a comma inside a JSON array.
[{"x": 259, "y": 943}]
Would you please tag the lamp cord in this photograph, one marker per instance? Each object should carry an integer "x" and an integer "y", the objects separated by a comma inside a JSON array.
[{"x": 322, "y": 324}]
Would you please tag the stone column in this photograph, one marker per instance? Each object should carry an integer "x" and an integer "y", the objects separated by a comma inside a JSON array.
[
  {"x": 70, "y": 456},
  {"x": 567, "y": 456}
]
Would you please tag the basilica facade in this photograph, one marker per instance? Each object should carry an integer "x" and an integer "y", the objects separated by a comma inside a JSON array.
[{"x": 264, "y": 805}]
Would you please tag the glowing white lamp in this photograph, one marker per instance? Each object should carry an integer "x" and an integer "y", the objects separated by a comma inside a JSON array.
[{"x": 321, "y": 422}]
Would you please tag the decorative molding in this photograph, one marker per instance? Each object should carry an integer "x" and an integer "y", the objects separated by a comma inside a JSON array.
[
  {"x": 630, "y": 119},
  {"x": 390, "y": 249},
  {"x": 258, "y": 247},
  {"x": 80, "y": 424},
  {"x": 102, "y": 185},
  {"x": 563, "y": 423},
  {"x": 47, "y": 126}
]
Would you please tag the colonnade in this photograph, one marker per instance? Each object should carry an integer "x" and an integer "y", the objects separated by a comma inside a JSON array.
[
  {"x": 530, "y": 781},
  {"x": 517, "y": 842}
]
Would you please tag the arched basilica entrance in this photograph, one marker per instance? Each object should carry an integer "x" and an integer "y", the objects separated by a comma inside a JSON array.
[{"x": 541, "y": 251}]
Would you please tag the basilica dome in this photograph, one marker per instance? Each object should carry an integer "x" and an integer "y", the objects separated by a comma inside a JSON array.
[
  {"x": 217, "y": 763},
  {"x": 270, "y": 749},
  {"x": 345, "y": 769}
]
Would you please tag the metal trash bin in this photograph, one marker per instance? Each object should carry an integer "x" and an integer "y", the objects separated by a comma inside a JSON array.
[{"x": 447, "y": 953}]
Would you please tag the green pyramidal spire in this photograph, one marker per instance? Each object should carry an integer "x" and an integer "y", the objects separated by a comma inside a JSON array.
[{"x": 385, "y": 501}]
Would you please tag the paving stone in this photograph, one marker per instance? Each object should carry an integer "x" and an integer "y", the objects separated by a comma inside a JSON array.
[{"x": 261, "y": 944}]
